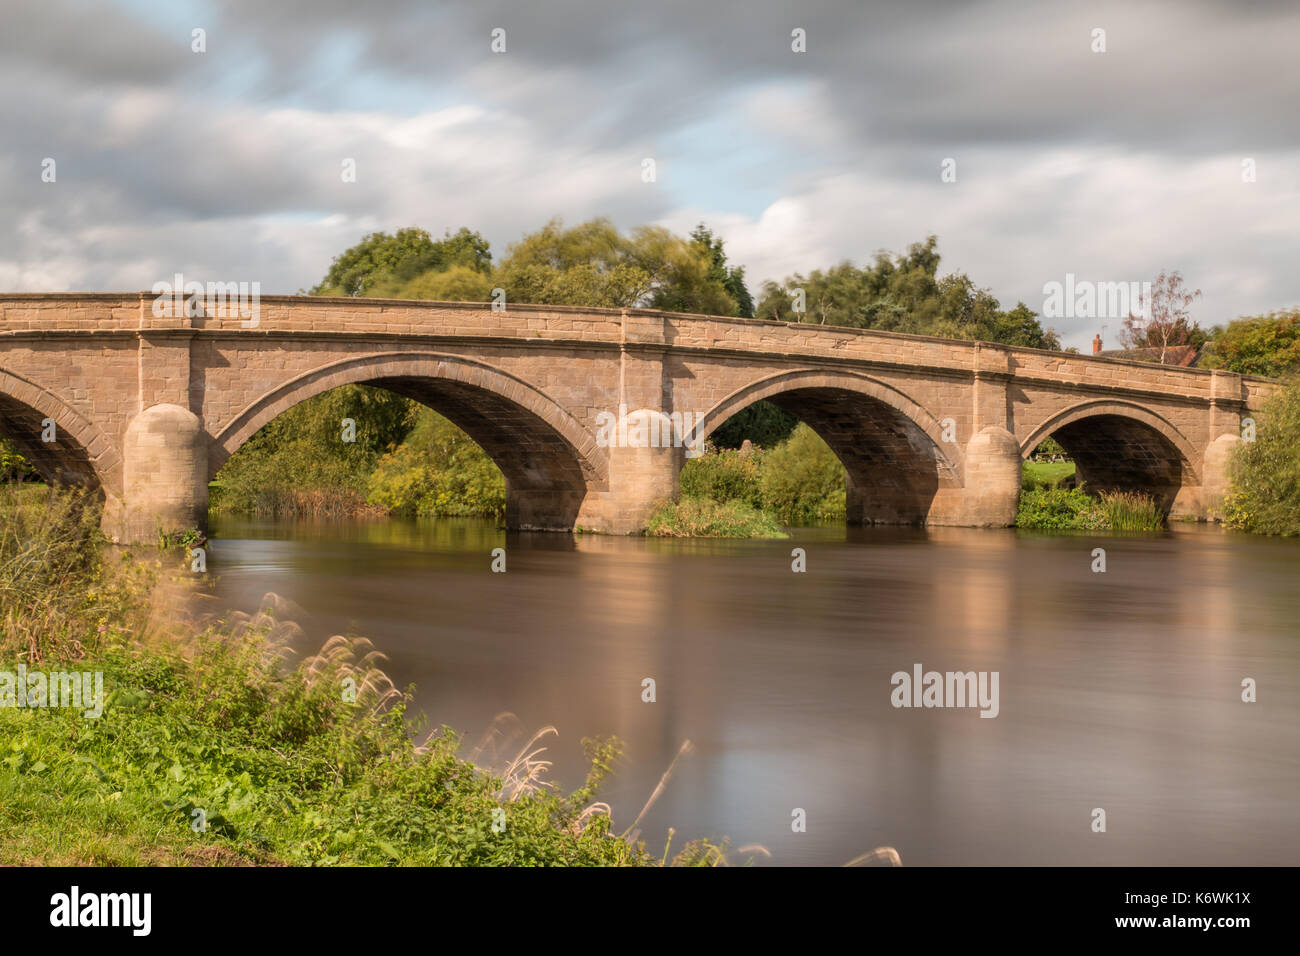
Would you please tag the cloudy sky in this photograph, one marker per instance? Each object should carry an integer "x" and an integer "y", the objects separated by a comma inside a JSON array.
[{"x": 226, "y": 164}]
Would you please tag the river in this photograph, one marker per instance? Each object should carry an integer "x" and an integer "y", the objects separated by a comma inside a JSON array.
[{"x": 1118, "y": 690}]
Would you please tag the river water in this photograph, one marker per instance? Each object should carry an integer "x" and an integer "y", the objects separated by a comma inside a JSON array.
[{"x": 1119, "y": 691}]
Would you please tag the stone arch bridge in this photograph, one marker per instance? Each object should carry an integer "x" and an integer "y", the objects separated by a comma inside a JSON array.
[{"x": 147, "y": 408}]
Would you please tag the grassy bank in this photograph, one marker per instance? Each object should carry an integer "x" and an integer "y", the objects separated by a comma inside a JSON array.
[
  {"x": 212, "y": 749},
  {"x": 1047, "y": 504}
]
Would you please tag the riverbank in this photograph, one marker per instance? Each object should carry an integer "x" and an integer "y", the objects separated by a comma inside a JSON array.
[{"x": 197, "y": 744}]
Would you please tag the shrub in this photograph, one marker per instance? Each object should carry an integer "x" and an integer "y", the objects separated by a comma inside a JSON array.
[
  {"x": 1057, "y": 509},
  {"x": 438, "y": 471},
  {"x": 1265, "y": 486},
  {"x": 802, "y": 480},
  {"x": 725, "y": 475},
  {"x": 705, "y": 518}
]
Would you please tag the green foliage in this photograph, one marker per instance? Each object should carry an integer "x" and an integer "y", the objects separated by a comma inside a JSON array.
[
  {"x": 286, "y": 763},
  {"x": 1073, "y": 509},
  {"x": 1049, "y": 447},
  {"x": 724, "y": 475},
  {"x": 1058, "y": 509},
  {"x": 704, "y": 518},
  {"x": 299, "y": 463},
  {"x": 798, "y": 482},
  {"x": 58, "y": 596},
  {"x": 455, "y": 284},
  {"x": 1046, "y": 474},
  {"x": 393, "y": 260},
  {"x": 438, "y": 471},
  {"x": 803, "y": 481},
  {"x": 594, "y": 265},
  {"x": 13, "y": 466},
  {"x": 762, "y": 423},
  {"x": 1261, "y": 345},
  {"x": 731, "y": 278},
  {"x": 904, "y": 294},
  {"x": 1265, "y": 489},
  {"x": 1130, "y": 511}
]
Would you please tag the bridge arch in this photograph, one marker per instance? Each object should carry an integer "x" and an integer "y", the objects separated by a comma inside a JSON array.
[
  {"x": 81, "y": 453},
  {"x": 896, "y": 462},
  {"x": 1121, "y": 446},
  {"x": 549, "y": 460}
]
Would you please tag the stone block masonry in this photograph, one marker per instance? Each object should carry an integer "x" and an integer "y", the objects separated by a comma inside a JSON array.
[{"x": 930, "y": 430}]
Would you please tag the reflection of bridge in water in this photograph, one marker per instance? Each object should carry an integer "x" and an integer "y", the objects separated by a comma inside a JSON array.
[{"x": 147, "y": 409}]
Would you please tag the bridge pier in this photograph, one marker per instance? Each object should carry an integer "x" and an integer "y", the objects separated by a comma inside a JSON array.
[
  {"x": 990, "y": 495},
  {"x": 165, "y": 476},
  {"x": 640, "y": 480}
]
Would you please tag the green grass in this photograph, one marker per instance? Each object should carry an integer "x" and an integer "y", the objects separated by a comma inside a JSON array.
[
  {"x": 1047, "y": 472},
  {"x": 706, "y": 518},
  {"x": 317, "y": 763}
]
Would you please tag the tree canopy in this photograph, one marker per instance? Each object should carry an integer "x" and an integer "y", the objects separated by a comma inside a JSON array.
[
  {"x": 903, "y": 294},
  {"x": 1257, "y": 345}
]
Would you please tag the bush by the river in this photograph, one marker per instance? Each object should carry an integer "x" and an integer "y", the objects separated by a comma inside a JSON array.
[
  {"x": 396, "y": 457},
  {"x": 285, "y": 767},
  {"x": 706, "y": 518},
  {"x": 1073, "y": 509},
  {"x": 798, "y": 482},
  {"x": 803, "y": 480},
  {"x": 438, "y": 471},
  {"x": 1265, "y": 491}
]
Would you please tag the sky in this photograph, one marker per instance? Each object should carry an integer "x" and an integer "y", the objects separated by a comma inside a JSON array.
[{"x": 227, "y": 164}]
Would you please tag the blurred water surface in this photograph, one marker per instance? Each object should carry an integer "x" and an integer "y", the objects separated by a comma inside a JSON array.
[{"x": 1119, "y": 690}]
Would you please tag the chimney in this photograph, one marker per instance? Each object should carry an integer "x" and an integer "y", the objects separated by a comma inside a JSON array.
[{"x": 1096, "y": 344}]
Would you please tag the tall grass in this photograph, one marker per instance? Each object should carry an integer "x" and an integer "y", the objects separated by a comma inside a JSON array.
[
  {"x": 705, "y": 518},
  {"x": 1129, "y": 511},
  {"x": 216, "y": 747},
  {"x": 277, "y": 500}
]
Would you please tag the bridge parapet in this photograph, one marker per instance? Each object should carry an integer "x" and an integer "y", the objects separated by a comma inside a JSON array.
[{"x": 920, "y": 422}]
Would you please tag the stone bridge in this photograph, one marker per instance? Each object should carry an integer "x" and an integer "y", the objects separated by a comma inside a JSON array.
[{"x": 147, "y": 408}]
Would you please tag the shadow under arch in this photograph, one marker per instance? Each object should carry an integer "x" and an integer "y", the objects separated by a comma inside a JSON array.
[
  {"x": 549, "y": 460},
  {"x": 894, "y": 459},
  {"x": 1121, "y": 446},
  {"x": 80, "y": 453}
]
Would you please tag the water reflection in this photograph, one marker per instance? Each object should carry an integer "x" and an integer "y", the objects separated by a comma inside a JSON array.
[{"x": 1118, "y": 690}]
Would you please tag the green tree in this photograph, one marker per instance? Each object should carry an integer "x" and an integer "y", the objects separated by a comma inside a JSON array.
[
  {"x": 438, "y": 471},
  {"x": 593, "y": 264},
  {"x": 1265, "y": 492},
  {"x": 762, "y": 423},
  {"x": 305, "y": 448},
  {"x": 381, "y": 258},
  {"x": 903, "y": 294},
  {"x": 1258, "y": 345},
  {"x": 731, "y": 278}
]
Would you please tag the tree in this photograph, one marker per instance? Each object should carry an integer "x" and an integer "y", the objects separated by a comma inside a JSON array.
[
  {"x": 903, "y": 294},
  {"x": 1265, "y": 492},
  {"x": 593, "y": 264},
  {"x": 383, "y": 259},
  {"x": 731, "y": 278},
  {"x": 1167, "y": 323},
  {"x": 1257, "y": 345}
]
